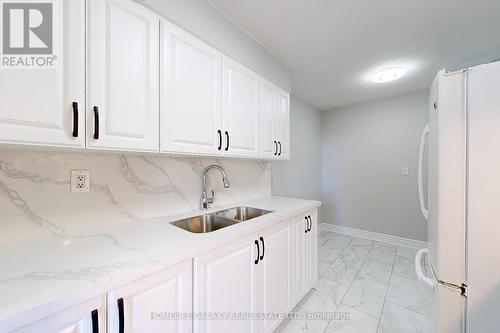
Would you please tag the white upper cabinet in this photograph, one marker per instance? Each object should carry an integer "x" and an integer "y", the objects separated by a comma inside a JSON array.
[
  {"x": 123, "y": 76},
  {"x": 283, "y": 128},
  {"x": 191, "y": 88},
  {"x": 241, "y": 110},
  {"x": 269, "y": 114},
  {"x": 145, "y": 305},
  {"x": 118, "y": 77},
  {"x": 275, "y": 123},
  {"x": 36, "y": 102}
]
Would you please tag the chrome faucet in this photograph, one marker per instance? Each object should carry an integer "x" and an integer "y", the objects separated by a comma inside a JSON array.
[{"x": 205, "y": 199}]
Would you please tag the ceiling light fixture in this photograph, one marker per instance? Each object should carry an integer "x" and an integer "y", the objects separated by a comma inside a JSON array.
[{"x": 388, "y": 75}]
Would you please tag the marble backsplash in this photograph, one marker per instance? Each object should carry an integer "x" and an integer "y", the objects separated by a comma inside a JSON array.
[{"x": 36, "y": 201}]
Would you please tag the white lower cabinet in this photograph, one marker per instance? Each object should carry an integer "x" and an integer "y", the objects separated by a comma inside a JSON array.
[
  {"x": 256, "y": 280},
  {"x": 245, "y": 286},
  {"x": 312, "y": 249},
  {"x": 155, "y": 304},
  {"x": 225, "y": 283},
  {"x": 87, "y": 317},
  {"x": 276, "y": 275},
  {"x": 305, "y": 253},
  {"x": 299, "y": 259}
]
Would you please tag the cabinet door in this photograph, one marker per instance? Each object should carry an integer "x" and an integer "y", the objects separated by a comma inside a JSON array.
[
  {"x": 300, "y": 257},
  {"x": 283, "y": 125},
  {"x": 276, "y": 274},
  {"x": 269, "y": 115},
  {"x": 312, "y": 249},
  {"x": 154, "y": 304},
  {"x": 241, "y": 110},
  {"x": 83, "y": 318},
  {"x": 36, "y": 104},
  {"x": 123, "y": 76},
  {"x": 225, "y": 282},
  {"x": 190, "y": 94}
]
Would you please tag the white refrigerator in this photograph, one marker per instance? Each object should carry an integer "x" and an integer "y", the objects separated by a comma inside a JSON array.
[{"x": 461, "y": 266}]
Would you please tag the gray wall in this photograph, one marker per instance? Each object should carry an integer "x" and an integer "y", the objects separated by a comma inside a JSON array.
[
  {"x": 207, "y": 23},
  {"x": 301, "y": 176},
  {"x": 364, "y": 148}
]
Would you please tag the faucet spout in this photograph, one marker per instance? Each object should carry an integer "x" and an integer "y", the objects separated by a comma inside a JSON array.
[{"x": 205, "y": 198}]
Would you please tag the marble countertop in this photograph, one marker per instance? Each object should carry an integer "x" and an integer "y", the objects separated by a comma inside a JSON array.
[{"x": 69, "y": 270}]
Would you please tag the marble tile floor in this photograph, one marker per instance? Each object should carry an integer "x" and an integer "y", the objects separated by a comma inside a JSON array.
[{"x": 364, "y": 286}]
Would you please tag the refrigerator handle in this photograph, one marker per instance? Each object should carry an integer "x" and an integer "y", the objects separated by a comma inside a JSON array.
[
  {"x": 418, "y": 268},
  {"x": 425, "y": 211}
]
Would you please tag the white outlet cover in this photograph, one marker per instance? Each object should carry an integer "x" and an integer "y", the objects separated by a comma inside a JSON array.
[
  {"x": 80, "y": 181},
  {"x": 404, "y": 171}
]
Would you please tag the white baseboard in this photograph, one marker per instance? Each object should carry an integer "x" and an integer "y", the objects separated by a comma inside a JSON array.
[{"x": 373, "y": 236}]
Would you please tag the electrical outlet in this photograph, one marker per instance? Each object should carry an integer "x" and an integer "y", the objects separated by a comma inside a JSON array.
[
  {"x": 404, "y": 171},
  {"x": 80, "y": 181}
]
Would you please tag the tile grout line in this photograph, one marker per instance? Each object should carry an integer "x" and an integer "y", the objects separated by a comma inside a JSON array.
[
  {"x": 379, "y": 319},
  {"x": 386, "y": 292},
  {"x": 357, "y": 273},
  {"x": 340, "y": 303}
]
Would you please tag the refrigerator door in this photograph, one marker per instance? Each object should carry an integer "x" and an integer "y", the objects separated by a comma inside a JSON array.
[
  {"x": 483, "y": 221},
  {"x": 447, "y": 160},
  {"x": 446, "y": 309}
]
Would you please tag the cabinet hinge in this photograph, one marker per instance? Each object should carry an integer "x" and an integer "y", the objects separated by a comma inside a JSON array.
[{"x": 461, "y": 288}]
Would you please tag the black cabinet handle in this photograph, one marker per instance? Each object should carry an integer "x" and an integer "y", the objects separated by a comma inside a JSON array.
[
  {"x": 95, "y": 321},
  {"x": 75, "y": 119},
  {"x": 96, "y": 123},
  {"x": 307, "y": 224},
  {"x": 227, "y": 141},
  {"x": 310, "y": 222},
  {"x": 279, "y": 142},
  {"x": 263, "y": 248},
  {"x": 121, "y": 316},
  {"x": 258, "y": 252},
  {"x": 220, "y": 139},
  {"x": 275, "y": 148}
]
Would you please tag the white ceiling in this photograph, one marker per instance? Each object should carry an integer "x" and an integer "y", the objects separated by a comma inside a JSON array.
[{"x": 333, "y": 46}]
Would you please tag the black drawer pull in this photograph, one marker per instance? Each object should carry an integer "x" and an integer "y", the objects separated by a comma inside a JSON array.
[
  {"x": 307, "y": 224},
  {"x": 275, "y": 148},
  {"x": 220, "y": 139},
  {"x": 96, "y": 123},
  {"x": 263, "y": 248},
  {"x": 310, "y": 222},
  {"x": 95, "y": 321},
  {"x": 227, "y": 141},
  {"x": 121, "y": 316},
  {"x": 279, "y": 142},
  {"x": 258, "y": 251},
  {"x": 75, "y": 119}
]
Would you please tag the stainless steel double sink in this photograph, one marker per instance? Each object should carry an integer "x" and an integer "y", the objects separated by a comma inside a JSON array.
[{"x": 218, "y": 220}]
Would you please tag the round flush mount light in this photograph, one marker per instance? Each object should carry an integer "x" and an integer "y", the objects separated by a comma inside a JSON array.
[{"x": 388, "y": 75}]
